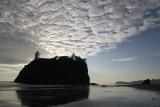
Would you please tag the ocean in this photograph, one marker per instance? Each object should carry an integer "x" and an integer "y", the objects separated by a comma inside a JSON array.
[{"x": 22, "y": 95}]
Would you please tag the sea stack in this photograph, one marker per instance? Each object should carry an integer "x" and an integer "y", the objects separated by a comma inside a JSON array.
[{"x": 62, "y": 70}]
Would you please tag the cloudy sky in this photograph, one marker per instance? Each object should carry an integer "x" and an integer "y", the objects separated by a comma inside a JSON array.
[{"x": 119, "y": 38}]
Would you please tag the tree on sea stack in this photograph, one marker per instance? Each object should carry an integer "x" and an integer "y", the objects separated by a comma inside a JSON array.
[
  {"x": 146, "y": 82},
  {"x": 37, "y": 55},
  {"x": 73, "y": 56}
]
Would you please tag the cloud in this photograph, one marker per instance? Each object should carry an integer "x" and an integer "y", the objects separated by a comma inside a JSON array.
[
  {"x": 158, "y": 55},
  {"x": 125, "y": 59},
  {"x": 14, "y": 50},
  {"x": 155, "y": 75},
  {"x": 8, "y": 72},
  {"x": 11, "y": 65},
  {"x": 63, "y": 27}
]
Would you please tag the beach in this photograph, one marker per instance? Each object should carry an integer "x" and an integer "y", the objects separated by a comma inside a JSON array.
[{"x": 20, "y": 95}]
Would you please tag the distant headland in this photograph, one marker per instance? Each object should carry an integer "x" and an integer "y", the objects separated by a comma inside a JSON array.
[
  {"x": 147, "y": 84},
  {"x": 60, "y": 70}
]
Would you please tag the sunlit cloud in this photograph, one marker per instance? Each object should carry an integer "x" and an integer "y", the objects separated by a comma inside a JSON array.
[
  {"x": 83, "y": 27},
  {"x": 125, "y": 59},
  {"x": 11, "y": 65}
]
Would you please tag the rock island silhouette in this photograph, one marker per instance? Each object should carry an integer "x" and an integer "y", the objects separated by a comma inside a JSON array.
[{"x": 60, "y": 70}]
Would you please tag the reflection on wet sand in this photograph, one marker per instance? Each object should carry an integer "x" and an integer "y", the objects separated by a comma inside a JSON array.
[{"x": 52, "y": 96}]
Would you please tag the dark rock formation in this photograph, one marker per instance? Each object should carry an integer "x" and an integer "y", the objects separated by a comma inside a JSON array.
[
  {"x": 128, "y": 83},
  {"x": 96, "y": 84},
  {"x": 146, "y": 82},
  {"x": 58, "y": 70}
]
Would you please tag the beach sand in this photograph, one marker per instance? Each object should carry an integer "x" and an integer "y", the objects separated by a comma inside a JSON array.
[{"x": 15, "y": 95}]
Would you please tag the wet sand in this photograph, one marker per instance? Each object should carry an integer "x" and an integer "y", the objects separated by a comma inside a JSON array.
[{"x": 15, "y": 95}]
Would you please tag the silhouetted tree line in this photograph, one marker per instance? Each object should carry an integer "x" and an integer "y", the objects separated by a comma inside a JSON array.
[
  {"x": 57, "y": 70},
  {"x": 146, "y": 82}
]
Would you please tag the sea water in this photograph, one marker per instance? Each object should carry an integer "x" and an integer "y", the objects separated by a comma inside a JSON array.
[{"x": 23, "y": 95}]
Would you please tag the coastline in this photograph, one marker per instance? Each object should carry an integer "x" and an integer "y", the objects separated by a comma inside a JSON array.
[{"x": 151, "y": 87}]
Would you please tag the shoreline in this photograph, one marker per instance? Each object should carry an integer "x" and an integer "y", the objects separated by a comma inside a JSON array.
[{"x": 151, "y": 87}]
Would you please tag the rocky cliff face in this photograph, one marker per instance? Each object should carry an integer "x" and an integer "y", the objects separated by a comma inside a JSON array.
[{"x": 57, "y": 70}]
